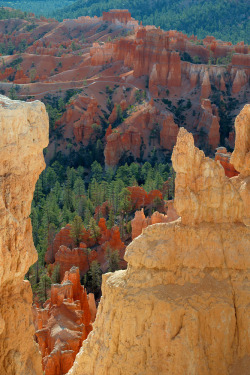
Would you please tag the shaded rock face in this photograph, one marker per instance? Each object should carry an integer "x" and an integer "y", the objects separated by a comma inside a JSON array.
[
  {"x": 24, "y": 129},
  {"x": 63, "y": 324},
  {"x": 181, "y": 307},
  {"x": 224, "y": 158},
  {"x": 139, "y": 134},
  {"x": 209, "y": 123}
]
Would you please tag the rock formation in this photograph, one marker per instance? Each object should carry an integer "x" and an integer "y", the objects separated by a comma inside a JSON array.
[
  {"x": 140, "y": 221},
  {"x": 146, "y": 128},
  {"x": 182, "y": 305},
  {"x": 224, "y": 158},
  {"x": 24, "y": 129},
  {"x": 169, "y": 133},
  {"x": 239, "y": 81},
  {"x": 206, "y": 86},
  {"x": 144, "y": 66},
  {"x": 63, "y": 324},
  {"x": 79, "y": 257},
  {"x": 209, "y": 123},
  {"x": 117, "y": 15},
  {"x": 62, "y": 250}
]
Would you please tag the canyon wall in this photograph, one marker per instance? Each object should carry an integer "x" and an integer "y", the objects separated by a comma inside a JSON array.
[
  {"x": 24, "y": 129},
  {"x": 181, "y": 307}
]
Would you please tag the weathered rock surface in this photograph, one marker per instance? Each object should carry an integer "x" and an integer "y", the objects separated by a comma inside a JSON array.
[
  {"x": 24, "y": 133},
  {"x": 181, "y": 307},
  {"x": 63, "y": 324}
]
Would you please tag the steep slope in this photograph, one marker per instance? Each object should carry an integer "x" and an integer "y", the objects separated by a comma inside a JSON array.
[
  {"x": 24, "y": 134},
  {"x": 181, "y": 307}
]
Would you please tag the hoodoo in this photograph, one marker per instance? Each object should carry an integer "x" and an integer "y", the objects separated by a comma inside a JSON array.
[
  {"x": 181, "y": 307},
  {"x": 24, "y": 129}
]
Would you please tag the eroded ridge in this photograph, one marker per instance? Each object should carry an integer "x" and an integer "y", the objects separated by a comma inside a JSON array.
[
  {"x": 181, "y": 307},
  {"x": 24, "y": 129}
]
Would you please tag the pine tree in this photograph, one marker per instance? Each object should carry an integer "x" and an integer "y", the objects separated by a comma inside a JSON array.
[
  {"x": 87, "y": 216},
  {"x": 55, "y": 277},
  {"x": 43, "y": 287},
  {"x": 113, "y": 259},
  {"x": 77, "y": 228},
  {"x": 111, "y": 220},
  {"x": 94, "y": 229},
  {"x": 96, "y": 278}
]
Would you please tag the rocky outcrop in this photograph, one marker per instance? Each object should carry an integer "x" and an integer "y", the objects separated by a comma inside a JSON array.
[
  {"x": 88, "y": 123},
  {"x": 143, "y": 130},
  {"x": 169, "y": 133},
  {"x": 239, "y": 81},
  {"x": 62, "y": 250},
  {"x": 206, "y": 86},
  {"x": 241, "y": 159},
  {"x": 61, "y": 238},
  {"x": 182, "y": 305},
  {"x": 63, "y": 324},
  {"x": 209, "y": 124},
  {"x": 241, "y": 155},
  {"x": 79, "y": 257},
  {"x": 140, "y": 221},
  {"x": 117, "y": 15},
  {"x": 224, "y": 158},
  {"x": 118, "y": 144},
  {"x": 203, "y": 193},
  {"x": 24, "y": 129}
]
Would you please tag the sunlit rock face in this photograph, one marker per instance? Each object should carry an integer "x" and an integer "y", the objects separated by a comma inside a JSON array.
[
  {"x": 182, "y": 306},
  {"x": 24, "y": 129}
]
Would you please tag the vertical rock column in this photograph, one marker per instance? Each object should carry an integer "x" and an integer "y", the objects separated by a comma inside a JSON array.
[{"x": 23, "y": 135}]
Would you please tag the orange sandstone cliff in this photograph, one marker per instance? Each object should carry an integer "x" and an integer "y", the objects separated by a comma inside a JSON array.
[
  {"x": 182, "y": 306},
  {"x": 24, "y": 131}
]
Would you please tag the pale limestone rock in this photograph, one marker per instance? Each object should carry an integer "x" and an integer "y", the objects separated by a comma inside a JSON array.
[
  {"x": 241, "y": 155},
  {"x": 203, "y": 193},
  {"x": 241, "y": 159},
  {"x": 24, "y": 134},
  {"x": 182, "y": 306}
]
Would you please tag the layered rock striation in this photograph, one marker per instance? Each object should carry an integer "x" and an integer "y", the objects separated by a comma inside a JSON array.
[
  {"x": 182, "y": 306},
  {"x": 24, "y": 129}
]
